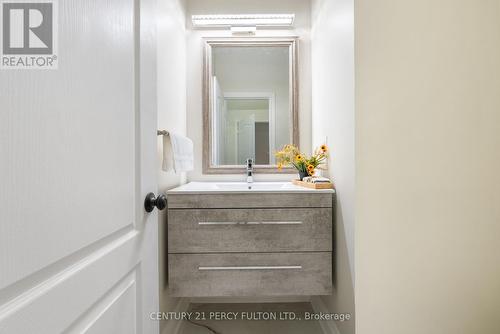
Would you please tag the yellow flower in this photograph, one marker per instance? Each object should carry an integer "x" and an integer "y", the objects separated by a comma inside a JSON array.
[
  {"x": 310, "y": 167},
  {"x": 310, "y": 172},
  {"x": 324, "y": 148},
  {"x": 299, "y": 157},
  {"x": 280, "y": 166}
]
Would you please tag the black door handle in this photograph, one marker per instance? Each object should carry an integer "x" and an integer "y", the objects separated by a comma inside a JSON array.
[{"x": 151, "y": 202}]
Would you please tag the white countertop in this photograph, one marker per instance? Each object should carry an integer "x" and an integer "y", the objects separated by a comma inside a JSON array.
[{"x": 243, "y": 187}]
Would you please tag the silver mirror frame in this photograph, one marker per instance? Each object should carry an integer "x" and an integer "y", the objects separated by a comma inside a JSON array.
[{"x": 291, "y": 43}]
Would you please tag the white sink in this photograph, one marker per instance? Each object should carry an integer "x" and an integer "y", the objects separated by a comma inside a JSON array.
[{"x": 241, "y": 187}]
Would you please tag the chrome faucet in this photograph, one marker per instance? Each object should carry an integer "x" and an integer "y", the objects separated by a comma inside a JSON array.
[{"x": 249, "y": 170}]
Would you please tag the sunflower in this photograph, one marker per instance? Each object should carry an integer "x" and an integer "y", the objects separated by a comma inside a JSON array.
[{"x": 291, "y": 155}]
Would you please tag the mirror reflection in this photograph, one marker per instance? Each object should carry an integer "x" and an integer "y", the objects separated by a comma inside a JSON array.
[{"x": 251, "y": 112}]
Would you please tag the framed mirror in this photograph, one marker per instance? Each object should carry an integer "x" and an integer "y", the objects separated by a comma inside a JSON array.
[{"x": 249, "y": 102}]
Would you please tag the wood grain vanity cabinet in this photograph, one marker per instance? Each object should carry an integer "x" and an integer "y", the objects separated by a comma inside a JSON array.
[{"x": 250, "y": 244}]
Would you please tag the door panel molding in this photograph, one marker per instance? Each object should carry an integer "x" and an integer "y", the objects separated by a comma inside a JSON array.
[
  {"x": 66, "y": 295},
  {"x": 29, "y": 282},
  {"x": 118, "y": 294}
]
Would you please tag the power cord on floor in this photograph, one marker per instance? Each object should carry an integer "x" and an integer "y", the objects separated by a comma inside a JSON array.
[{"x": 213, "y": 331}]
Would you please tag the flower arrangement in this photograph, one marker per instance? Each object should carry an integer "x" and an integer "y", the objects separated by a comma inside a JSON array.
[{"x": 291, "y": 155}]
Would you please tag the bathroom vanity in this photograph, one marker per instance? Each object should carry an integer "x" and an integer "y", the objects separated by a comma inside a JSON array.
[{"x": 236, "y": 239}]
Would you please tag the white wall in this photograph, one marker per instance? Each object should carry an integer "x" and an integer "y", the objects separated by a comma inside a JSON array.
[
  {"x": 171, "y": 113},
  {"x": 332, "y": 40},
  {"x": 301, "y": 9},
  {"x": 428, "y": 162}
]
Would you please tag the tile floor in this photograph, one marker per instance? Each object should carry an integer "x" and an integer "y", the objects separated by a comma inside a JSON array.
[{"x": 246, "y": 319}]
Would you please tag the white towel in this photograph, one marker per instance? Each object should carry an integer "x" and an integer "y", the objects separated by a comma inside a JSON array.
[
  {"x": 178, "y": 149},
  {"x": 168, "y": 162}
]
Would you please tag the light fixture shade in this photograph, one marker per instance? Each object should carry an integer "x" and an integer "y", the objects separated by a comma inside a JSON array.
[{"x": 263, "y": 20}]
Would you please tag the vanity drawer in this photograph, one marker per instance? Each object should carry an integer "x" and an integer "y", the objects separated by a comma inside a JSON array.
[
  {"x": 252, "y": 200},
  {"x": 257, "y": 274},
  {"x": 249, "y": 230}
]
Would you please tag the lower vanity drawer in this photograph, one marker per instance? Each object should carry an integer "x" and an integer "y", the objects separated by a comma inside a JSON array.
[
  {"x": 250, "y": 230},
  {"x": 250, "y": 274}
]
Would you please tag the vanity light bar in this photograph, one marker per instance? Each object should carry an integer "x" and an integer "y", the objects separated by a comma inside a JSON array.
[{"x": 266, "y": 20}]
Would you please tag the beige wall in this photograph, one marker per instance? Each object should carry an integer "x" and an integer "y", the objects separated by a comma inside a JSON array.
[
  {"x": 332, "y": 40},
  {"x": 301, "y": 29},
  {"x": 171, "y": 114},
  {"x": 427, "y": 164}
]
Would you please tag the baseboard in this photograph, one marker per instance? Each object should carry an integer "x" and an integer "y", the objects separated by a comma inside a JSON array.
[
  {"x": 175, "y": 326},
  {"x": 319, "y": 306}
]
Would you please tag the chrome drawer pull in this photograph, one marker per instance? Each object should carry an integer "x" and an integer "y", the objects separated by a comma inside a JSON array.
[
  {"x": 275, "y": 223},
  {"x": 251, "y": 268},
  {"x": 250, "y": 223},
  {"x": 220, "y": 223}
]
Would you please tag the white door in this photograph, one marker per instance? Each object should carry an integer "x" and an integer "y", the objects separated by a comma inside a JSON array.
[
  {"x": 246, "y": 140},
  {"x": 78, "y": 252},
  {"x": 223, "y": 138},
  {"x": 219, "y": 129}
]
